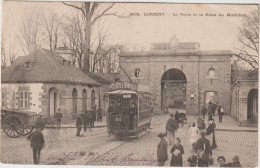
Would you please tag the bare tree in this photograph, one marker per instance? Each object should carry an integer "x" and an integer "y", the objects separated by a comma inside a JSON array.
[
  {"x": 74, "y": 34},
  {"x": 12, "y": 52},
  {"x": 9, "y": 52},
  {"x": 52, "y": 29},
  {"x": 31, "y": 33},
  {"x": 248, "y": 38},
  {"x": 92, "y": 12},
  {"x": 3, "y": 56}
]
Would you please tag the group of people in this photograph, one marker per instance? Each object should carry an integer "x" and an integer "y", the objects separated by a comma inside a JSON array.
[
  {"x": 212, "y": 109},
  {"x": 88, "y": 118},
  {"x": 202, "y": 139}
]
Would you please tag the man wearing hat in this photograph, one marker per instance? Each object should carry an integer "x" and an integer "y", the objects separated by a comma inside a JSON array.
[
  {"x": 162, "y": 154},
  {"x": 37, "y": 143},
  {"x": 204, "y": 144}
]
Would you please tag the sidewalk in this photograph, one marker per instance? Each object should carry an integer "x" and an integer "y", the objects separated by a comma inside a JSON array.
[
  {"x": 228, "y": 124},
  {"x": 72, "y": 124}
]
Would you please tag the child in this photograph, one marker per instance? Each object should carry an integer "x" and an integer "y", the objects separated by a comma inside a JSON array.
[
  {"x": 177, "y": 152},
  {"x": 193, "y": 159}
]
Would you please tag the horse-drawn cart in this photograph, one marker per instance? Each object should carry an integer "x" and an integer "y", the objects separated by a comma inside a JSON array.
[{"x": 15, "y": 123}]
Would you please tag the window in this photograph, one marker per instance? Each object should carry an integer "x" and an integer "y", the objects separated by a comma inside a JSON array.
[
  {"x": 137, "y": 73},
  {"x": 27, "y": 64},
  {"x": 24, "y": 99},
  {"x": 3, "y": 99},
  {"x": 212, "y": 73}
]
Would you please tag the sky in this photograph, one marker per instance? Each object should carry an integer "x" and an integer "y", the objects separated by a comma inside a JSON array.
[{"x": 212, "y": 32}]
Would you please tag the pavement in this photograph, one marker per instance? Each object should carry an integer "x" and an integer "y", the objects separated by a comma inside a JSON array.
[{"x": 95, "y": 147}]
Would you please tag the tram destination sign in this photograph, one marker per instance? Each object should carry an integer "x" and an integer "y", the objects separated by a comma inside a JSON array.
[{"x": 123, "y": 85}]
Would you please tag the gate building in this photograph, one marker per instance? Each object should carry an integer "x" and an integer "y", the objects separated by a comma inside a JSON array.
[{"x": 180, "y": 76}]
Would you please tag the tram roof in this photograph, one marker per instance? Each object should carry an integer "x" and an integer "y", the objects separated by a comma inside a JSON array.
[{"x": 125, "y": 92}]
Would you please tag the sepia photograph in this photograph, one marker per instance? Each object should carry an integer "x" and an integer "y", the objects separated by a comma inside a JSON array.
[{"x": 159, "y": 84}]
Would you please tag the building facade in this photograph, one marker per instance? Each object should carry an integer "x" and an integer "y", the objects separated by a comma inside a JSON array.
[
  {"x": 44, "y": 82},
  {"x": 245, "y": 97},
  {"x": 181, "y": 76}
]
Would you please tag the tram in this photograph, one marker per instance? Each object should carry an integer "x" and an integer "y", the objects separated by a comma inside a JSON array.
[{"x": 129, "y": 112}]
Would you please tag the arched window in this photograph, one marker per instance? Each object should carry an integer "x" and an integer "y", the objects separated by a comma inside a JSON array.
[
  {"x": 137, "y": 72},
  {"x": 212, "y": 73}
]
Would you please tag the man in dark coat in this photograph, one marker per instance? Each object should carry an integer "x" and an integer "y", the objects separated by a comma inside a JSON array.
[
  {"x": 132, "y": 113},
  {"x": 58, "y": 117},
  {"x": 91, "y": 116},
  {"x": 99, "y": 114},
  {"x": 79, "y": 125},
  {"x": 204, "y": 144},
  {"x": 162, "y": 154},
  {"x": 210, "y": 111},
  {"x": 37, "y": 143}
]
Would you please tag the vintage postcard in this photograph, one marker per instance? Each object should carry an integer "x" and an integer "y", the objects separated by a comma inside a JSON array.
[{"x": 129, "y": 84}]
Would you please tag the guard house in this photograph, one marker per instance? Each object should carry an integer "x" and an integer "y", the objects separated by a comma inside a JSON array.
[
  {"x": 245, "y": 97},
  {"x": 45, "y": 81},
  {"x": 180, "y": 76}
]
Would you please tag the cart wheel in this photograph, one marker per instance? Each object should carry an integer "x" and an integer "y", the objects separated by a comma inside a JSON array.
[
  {"x": 13, "y": 126},
  {"x": 27, "y": 130}
]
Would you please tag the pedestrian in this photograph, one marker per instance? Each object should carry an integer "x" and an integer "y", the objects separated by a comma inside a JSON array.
[
  {"x": 193, "y": 135},
  {"x": 204, "y": 111},
  {"x": 204, "y": 144},
  {"x": 99, "y": 114},
  {"x": 214, "y": 108},
  {"x": 91, "y": 115},
  {"x": 200, "y": 122},
  {"x": 171, "y": 128},
  {"x": 211, "y": 134},
  {"x": 85, "y": 120},
  {"x": 181, "y": 118},
  {"x": 177, "y": 152},
  {"x": 39, "y": 121},
  {"x": 210, "y": 111},
  {"x": 37, "y": 143},
  {"x": 162, "y": 154},
  {"x": 132, "y": 113},
  {"x": 193, "y": 159},
  {"x": 95, "y": 113},
  {"x": 79, "y": 125},
  {"x": 220, "y": 113},
  {"x": 58, "y": 117},
  {"x": 236, "y": 162}
]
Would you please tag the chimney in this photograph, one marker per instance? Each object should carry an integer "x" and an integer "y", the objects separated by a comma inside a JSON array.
[
  {"x": 65, "y": 53},
  {"x": 32, "y": 47}
]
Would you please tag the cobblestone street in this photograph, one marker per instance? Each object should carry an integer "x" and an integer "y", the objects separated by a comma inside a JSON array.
[{"x": 63, "y": 147}]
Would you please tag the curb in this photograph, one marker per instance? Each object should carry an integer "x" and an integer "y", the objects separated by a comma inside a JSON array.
[
  {"x": 235, "y": 130},
  {"x": 101, "y": 126}
]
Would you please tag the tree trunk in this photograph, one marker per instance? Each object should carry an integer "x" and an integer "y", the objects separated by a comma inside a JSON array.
[{"x": 86, "y": 63}]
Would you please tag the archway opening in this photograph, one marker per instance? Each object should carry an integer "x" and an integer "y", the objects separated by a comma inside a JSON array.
[
  {"x": 84, "y": 100},
  {"x": 74, "y": 103},
  {"x": 173, "y": 90},
  {"x": 54, "y": 101},
  {"x": 252, "y": 105}
]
